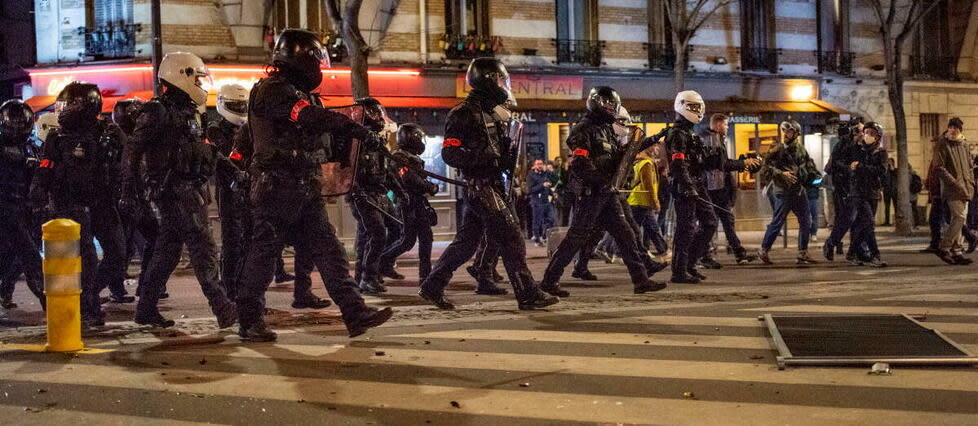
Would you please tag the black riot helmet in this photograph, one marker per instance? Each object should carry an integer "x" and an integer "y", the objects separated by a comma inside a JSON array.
[
  {"x": 604, "y": 101},
  {"x": 489, "y": 77},
  {"x": 374, "y": 115},
  {"x": 78, "y": 105},
  {"x": 300, "y": 55},
  {"x": 124, "y": 114},
  {"x": 410, "y": 137},
  {"x": 16, "y": 121}
]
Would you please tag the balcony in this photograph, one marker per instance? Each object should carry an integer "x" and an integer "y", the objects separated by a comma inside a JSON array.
[
  {"x": 835, "y": 62},
  {"x": 584, "y": 52},
  {"x": 469, "y": 46},
  {"x": 662, "y": 57},
  {"x": 114, "y": 41},
  {"x": 759, "y": 59},
  {"x": 934, "y": 68}
]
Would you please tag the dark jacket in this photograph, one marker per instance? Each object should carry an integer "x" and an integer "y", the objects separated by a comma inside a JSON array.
[
  {"x": 789, "y": 157},
  {"x": 953, "y": 166},
  {"x": 475, "y": 142},
  {"x": 841, "y": 157},
  {"x": 540, "y": 194},
  {"x": 18, "y": 163},
  {"x": 870, "y": 176},
  {"x": 596, "y": 155},
  {"x": 80, "y": 167},
  {"x": 416, "y": 187}
]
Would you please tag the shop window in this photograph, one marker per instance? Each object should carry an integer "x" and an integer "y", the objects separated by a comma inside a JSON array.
[{"x": 751, "y": 138}]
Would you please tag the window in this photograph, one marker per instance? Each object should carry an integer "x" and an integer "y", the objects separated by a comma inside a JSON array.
[
  {"x": 577, "y": 32},
  {"x": 662, "y": 55},
  {"x": 467, "y": 17},
  {"x": 757, "y": 36},
  {"x": 109, "y": 30},
  {"x": 932, "y": 56},
  {"x": 930, "y": 128},
  {"x": 833, "y": 37},
  {"x": 308, "y": 14}
]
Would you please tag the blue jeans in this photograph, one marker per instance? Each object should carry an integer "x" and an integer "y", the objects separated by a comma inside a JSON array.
[
  {"x": 784, "y": 203},
  {"x": 648, "y": 222},
  {"x": 543, "y": 218},
  {"x": 813, "y": 205}
]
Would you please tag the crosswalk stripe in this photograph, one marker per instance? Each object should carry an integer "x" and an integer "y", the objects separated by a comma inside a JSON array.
[
  {"x": 682, "y": 320},
  {"x": 59, "y": 415},
  {"x": 692, "y": 340},
  {"x": 762, "y": 371},
  {"x": 433, "y": 398},
  {"x": 841, "y": 309},
  {"x": 944, "y": 297}
]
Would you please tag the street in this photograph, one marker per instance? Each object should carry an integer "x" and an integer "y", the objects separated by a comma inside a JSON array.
[{"x": 691, "y": 354}]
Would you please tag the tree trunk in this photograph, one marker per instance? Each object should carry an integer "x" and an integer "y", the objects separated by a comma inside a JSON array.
[
  {"x": 358, "y": 49},
  {"x": 679, "y": 68},
  {"x": 894, "y": 78}
]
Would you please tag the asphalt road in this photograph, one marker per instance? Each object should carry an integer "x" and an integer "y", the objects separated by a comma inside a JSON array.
[{"x": 692, "y": 354}]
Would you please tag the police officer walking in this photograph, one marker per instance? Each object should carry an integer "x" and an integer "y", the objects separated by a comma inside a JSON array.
[
  {"x": 476, "y": 144},
  {"x": 18, "y": 162},
  {"x": 595, "y": 144},
  {"x": 868, "y": 168},
  {"x": 416, "y": 212},
  {"x": 169, "y": 134},
  {"x": 76, "y": 180},
  {"x": 288, "y": 124}
]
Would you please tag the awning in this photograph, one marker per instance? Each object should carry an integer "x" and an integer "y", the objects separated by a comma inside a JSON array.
[
  {"x": 40, "y": 103},
  {"x": 397, "y": 101},
  {"x": 665, "y": 105}
]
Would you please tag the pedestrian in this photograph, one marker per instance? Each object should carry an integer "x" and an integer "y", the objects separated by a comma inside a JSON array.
[
  {"x": 937, "y": 216},
  {"x": 953, "y": 168},
  {"x": 170, "y": 137},
  {"x": 541, "y": 201},
  {"x": 596, "y": 145},
  {"x": 867, "y": 182},
  {"x": 721, "y": 186},
  {"x": 814, "y": 193},
  {"x": 19, "y": 252},
  {"x": 562, "y": 198},
  {"x": 483, "y": 156},
  {"x": 839, "y": 170},
  {"x": 889, "y": 190},
  {"x": 286, "y": 194},
  {"x": 643, "y": 198},
  {"x": 788, "y": 169}
]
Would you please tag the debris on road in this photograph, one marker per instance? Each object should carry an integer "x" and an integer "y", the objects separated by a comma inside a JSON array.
[
  {"x": 880, "y": 369},
  {"x": 456, "y": 404}
]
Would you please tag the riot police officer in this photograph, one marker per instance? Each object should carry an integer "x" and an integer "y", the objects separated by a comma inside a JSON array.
[
  {"x": 416, "y": 212},
  {"x": 374, "y": 177},
  {"x": 288, "y": 126},
  {"x": 169, "y": 134},
  {"x": 18, "y": 162},
  {"x": 476, "y": 143},
  {"x": 687, "y": 166},
  {"x": 595, "y": 143},
  {"x": 78, "y": 180}
]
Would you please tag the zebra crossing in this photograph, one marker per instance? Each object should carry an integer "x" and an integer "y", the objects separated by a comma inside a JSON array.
[{"x": 700, "y": 364}]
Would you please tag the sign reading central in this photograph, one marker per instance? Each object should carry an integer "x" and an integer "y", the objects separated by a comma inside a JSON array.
[{"x": 535, "y": 87}]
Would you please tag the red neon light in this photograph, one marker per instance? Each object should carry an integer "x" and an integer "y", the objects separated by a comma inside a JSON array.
[{"x": 131, "y": 68}]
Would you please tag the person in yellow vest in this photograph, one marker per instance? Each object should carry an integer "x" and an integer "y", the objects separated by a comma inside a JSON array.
[{"x": 644, "y": 198}]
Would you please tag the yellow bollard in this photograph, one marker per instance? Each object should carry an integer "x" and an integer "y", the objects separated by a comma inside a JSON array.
[{"x": 62, "y": 285}]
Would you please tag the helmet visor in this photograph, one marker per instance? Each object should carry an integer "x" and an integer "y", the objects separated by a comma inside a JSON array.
[
  {"x": 237, "y": 107},
  {"x": 694, "y": 107},
  {"x": 203, "y": 79}
]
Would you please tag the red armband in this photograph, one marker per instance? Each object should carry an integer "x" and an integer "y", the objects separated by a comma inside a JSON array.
[
  {"x": 678, "y": 156},
  {"x": 402, "y": 171},
  {"x": 581, "y": 152},
  {"x": 297, "y": 108},
  {"x": 46, "y": 164},
  {"x": 236, "y": 156},
  {"x": 451, "y": 142},
  {"x": 207, "y": 142}
]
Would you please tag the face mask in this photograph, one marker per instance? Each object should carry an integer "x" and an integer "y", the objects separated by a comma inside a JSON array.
[
  {"x": 620, "y": 130},
  {"x": 502, "y": 113},
  {"x": 869, "y": 140},
  {"x": 74, "y": 118}
]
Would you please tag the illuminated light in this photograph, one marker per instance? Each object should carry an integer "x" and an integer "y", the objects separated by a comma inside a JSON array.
[
  {"x": 802, "y": 93},
  {"x": 252, "y": 69},
  {"x": 73, "y": 71}
]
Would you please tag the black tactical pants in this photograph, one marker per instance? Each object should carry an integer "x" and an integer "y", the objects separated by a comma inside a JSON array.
[
  {"x": 91, "y": 306},
  {"x": 371, "y": 234},
  {"x": 842, "y": 221},
  {"x": 416, "y": 229},
  {"x": 184, "y": 222},
  {"x": 581, "y": 265},
  {"x": 863, "y": 219},
  {"x": 143, "y": 222},
  {"x": 591, "y": 212},
  {"x": 486, "y": 258},
  {"x": 107, "y": 227},
  {"x": 235, "y": 230},
  {"x": 290, "y": 210},
  {"x": 486, "y": 212},
  {"x": 19, "y": 252},
  {"x": 696, "y": 222}
]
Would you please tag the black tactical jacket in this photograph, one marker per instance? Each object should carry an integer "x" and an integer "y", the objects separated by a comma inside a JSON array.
[
  {"x": 80, "y": 167},
  {"x": 596, "y": 154},
  {"x": 476, "y": 143},
  {"x": 870, "y": 174}
]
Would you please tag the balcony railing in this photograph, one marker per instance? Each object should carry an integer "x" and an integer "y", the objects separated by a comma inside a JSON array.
[
  {"x": 469, "y": 46},
  {"x": 111, "y": 41},
  {"x": 663, "y": 56},
  {"x": 934, "y": 67},
  {"x": 836, "y": 62},
  {"x": 759, "y": 59},
  {"x": 584, "y": 52}
]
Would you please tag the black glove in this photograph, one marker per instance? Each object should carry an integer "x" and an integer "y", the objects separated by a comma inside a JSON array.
[{"x": 374, "y": 141}]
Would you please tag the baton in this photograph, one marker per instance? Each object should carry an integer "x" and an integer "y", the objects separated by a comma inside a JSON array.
[
  {"x": 714, "y": 205},
  {"x": 426, "y": 173},
  {"x": 371, "y": 203}
]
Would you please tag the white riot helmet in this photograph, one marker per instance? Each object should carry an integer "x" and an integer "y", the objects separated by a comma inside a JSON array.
[
  {"x": 45, "y": 124},
  {"x": 689, "y": 104},
  {"x": 232, "y": 103},
  {"x": 186, "y": 72}
]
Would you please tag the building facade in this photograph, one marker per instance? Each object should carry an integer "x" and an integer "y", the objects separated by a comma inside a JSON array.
[{"x": 760, "y": 61}]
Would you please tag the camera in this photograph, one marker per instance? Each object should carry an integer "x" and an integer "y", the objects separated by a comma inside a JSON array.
[{"x": 849, "y": 127}]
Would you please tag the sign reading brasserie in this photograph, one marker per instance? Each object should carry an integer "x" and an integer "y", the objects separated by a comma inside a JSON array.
[{"x": 536, "y": 87}]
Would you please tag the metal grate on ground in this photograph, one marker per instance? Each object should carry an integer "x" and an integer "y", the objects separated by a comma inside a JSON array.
[{"x": 861, "y": 339}]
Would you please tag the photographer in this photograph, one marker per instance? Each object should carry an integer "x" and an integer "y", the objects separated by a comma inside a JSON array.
[
  {"x": 850, "y": 133},
  {"x": 868, "y": 180},
  {"x": 789, "y": 167}
]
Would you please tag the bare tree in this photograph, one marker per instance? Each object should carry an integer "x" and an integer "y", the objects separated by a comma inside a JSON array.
[
  {"x": 686, "y": 17},
  {"x": 346, "y": 21},
  {"x": 898, "y": 20}
]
